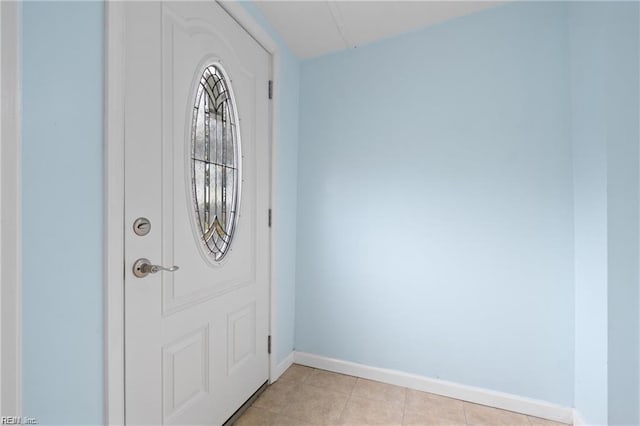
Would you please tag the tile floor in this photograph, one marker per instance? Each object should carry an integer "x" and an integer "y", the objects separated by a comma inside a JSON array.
[{"x": 307, "y": 396}]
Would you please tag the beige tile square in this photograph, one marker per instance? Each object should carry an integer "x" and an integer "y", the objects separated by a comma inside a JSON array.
[
  {"x": 482, "y": 415},
  {"x": 379, "y": 391},
  {"x": 331, "y": 381},
  {"x": 316, "y": 405},
  {"x": 277, "y": 396},
  {"x": 288, "y": 421},
  {"x": 424, "y": 408},
  {"x": 537, "y": 421},
  {"x": 434, "y": 418},
  {"x": 361, "y": 411},
  {"x": 296, "y": 373},
  {"x": 256, "y": 417},
  {"x": 424, "y": 401}
]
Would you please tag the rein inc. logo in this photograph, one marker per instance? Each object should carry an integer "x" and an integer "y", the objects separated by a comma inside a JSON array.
[{"x": 18, "y": 420}]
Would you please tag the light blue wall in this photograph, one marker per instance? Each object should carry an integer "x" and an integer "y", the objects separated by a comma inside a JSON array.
[
  {"x": 435, "y": 205},
  {"x": 62, "y": 151},
  {"x": 604, "y": 64},
  {"x": 286, "y": 155}
]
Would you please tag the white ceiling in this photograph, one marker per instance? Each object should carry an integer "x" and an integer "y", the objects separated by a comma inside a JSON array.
[{"x": 313, "y": 28}]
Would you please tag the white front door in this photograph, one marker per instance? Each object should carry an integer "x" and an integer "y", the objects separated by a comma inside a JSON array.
[{"x": 197, "y": 168}]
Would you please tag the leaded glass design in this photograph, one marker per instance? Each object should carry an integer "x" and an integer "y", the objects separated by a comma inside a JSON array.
[{"x": 215, "y": 162}]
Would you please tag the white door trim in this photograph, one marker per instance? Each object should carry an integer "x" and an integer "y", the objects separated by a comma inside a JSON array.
[
  {"x": 10, "y": 212},
  {"x": 114, "y": 214},
  {"x": 114, "y": 195}
]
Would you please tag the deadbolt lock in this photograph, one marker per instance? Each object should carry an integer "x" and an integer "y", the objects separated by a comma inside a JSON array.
[{"x": 142, "y": 226}]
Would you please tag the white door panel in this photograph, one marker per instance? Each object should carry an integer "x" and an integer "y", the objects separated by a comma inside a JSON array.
[{"x": 195, "y": 339}]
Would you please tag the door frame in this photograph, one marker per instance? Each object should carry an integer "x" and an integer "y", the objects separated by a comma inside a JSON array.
[
  {"x": 11, "y": 210},
  {"x": 114, "y": 196}
]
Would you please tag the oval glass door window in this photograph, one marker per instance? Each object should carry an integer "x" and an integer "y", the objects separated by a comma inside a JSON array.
[{"x": 215, "y": 162}]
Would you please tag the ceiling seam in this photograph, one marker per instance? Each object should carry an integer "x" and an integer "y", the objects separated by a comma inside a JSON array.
[{"x": 337, "y": 20}]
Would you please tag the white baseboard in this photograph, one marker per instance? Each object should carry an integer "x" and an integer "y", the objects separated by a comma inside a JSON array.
[
  {"x": 282, "y": 367},
  {"x": 505, "y": 401},
  {"x": 578, "y": 420}
]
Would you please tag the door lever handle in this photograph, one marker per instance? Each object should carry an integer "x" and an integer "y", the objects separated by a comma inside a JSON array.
[{"x": 143, "y": 267}]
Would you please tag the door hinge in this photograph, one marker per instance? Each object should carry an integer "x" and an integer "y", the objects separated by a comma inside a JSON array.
[
  {"x": 269, "y": 218},
  {"x": 270, "y": 89},
  {"x": 269, "y": 345}
]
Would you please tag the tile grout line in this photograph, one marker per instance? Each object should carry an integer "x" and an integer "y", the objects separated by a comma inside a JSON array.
[
  {"x": 464, "y": 410},
  {"x": 303, "y": 382},
  {"x": 404, "y": 405},
  {"x": 529, "y": 420},
  {"x": 340, "y": 417}
]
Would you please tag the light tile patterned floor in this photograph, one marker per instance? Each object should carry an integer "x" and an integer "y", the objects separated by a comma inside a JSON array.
[{"x": 307, "y": 396}]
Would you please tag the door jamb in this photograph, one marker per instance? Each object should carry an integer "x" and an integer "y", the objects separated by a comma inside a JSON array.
[
  {"x": 114, "y": 214},
  {"x": 11, "y": 210},
  {"x": 114, "y": 196}
]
